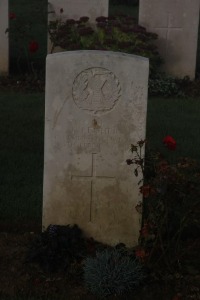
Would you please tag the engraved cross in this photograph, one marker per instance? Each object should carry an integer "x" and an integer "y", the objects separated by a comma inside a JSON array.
[
  {"x": 168, "y": 28},
  {"x": 92, "y": 179}
]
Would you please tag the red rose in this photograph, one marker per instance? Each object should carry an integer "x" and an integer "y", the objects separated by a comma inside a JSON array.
[
  {"x": 163, "y": 166},
  {"x": 144, "y": 232},
  {"x": 12, "y": 16},
  {"x": 169, "y": 142},
  {"x": 145, "y": 190},
  {"x": 141, "y": 254},
  {"x": 33, "y": 46}
]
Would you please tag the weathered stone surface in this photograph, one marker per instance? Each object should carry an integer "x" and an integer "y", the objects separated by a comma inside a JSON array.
[
  {"x": 74, "y": 9},
  {"x": 176, "y": 23},
  {"x": 96, "y": 105},
  {"x": 4, "y": 49}
]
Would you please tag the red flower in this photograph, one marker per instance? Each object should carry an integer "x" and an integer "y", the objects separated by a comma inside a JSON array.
[
  {"x": 177, "y": 297},
  {"x": 33, "y": 46},
  {"x": 145, "y": 190},
  {"x": 141, "y": 254},
  {"x": 12, "y": 16},
  {"x": 144, "y": 232},
  {"x": 169, "y": 142},
  {"x": 163, "y": 166}
]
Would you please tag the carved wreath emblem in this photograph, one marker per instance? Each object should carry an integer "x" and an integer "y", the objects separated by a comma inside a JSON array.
[{"x": 96, "y": 90}]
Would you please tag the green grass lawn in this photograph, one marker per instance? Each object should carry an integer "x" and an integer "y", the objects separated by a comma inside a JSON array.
[
  {"x": 21, "y": 157},
  {"x": 21, "y": 153}
]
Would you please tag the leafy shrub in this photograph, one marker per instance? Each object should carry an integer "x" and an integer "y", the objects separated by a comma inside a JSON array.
[
  {"x": 160, "y": 84},
  {"x": 112, "y": 272},
  {"x": 116, "y": 33},
  {"x": 58, "y": 247},
  {"x": 166, "y": 86},
  {"x": 190, "y": 87},
  {"x": 171, "y": 205}
]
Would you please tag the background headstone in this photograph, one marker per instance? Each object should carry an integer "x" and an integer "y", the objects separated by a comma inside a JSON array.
[
  {"x": 74, "y": 9},
  {"x": 176, "y": 23},
  {"x": 96, "y": 104},
  {"x": 4, "y": 42}
]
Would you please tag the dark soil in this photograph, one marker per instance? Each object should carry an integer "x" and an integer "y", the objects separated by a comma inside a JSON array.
[{"x": 23, "y": 279}]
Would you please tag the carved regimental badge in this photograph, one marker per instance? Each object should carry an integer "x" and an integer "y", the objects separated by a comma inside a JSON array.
[{"x": 96, "y": 90}]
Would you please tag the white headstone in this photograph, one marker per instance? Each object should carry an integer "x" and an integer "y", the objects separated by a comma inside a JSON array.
[
  {"x": 4, "y": 44},
  {"x": 96, "y": 104},
  {"x": 74, "y": 9},
  {"x": 176, "y": 23}
]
